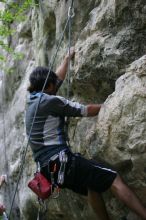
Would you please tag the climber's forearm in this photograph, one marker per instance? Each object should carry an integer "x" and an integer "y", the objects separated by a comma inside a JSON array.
[
  {"x": 62, "y": 69},
  {"x": 93, "y": 109}
]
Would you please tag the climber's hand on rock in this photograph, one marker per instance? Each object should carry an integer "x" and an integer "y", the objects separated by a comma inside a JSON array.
[{"x": 71, "y": 54}]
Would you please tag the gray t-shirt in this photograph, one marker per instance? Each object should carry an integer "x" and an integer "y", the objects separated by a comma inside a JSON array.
[{"x": 48, "y": 136}]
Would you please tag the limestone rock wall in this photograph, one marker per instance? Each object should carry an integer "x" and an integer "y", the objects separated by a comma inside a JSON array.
[{"x": 110, "y": 67}]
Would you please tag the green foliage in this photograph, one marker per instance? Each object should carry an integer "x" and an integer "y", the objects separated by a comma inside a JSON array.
[{"x": 13, "y": 12}]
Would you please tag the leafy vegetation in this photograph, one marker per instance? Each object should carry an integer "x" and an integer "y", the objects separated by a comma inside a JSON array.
[{"x": 10, "y": 13}]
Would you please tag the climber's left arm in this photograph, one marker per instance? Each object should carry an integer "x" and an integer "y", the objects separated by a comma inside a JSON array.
[{"x": 62, "y": 69}]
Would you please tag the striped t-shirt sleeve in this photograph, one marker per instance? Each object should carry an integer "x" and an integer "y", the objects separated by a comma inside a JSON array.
[{"x": 64, "y": 107}]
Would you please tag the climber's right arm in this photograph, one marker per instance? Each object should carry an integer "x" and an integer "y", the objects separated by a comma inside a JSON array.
[{"x": 93, "y": 109}]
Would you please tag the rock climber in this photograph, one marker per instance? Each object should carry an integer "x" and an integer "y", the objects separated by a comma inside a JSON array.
[{"x": 48, "y": 138}]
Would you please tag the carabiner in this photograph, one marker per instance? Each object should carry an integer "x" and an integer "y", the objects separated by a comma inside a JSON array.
[{"x": 71, "y": 12}]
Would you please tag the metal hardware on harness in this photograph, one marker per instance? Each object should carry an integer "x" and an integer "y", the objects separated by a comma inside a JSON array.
[
  {"x": 38, "y": 167},
  {"x": 56, "y": 188},
  {"x": 63, "y": 158}
]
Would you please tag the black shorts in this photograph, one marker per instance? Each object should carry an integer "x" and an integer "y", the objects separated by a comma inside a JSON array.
[{"x": 82, "y": 174}]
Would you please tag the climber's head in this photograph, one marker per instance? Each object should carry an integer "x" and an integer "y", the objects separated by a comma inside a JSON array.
[{"x": 37, "y": 79}]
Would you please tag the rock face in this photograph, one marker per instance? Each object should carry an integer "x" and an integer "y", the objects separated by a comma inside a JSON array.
[{"x": 110, "y": 67}]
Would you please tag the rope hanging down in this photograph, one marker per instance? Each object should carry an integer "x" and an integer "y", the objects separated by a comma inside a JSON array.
[
  {"x": 50, "y": 67},
  {"x": 67, "y": 120},
  {"x": 70, "y": 16}
]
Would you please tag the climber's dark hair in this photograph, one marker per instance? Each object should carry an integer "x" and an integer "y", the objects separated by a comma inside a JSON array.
[{"x": 38, "y": 77}]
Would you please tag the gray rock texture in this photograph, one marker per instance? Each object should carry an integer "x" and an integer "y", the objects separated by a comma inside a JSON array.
[{"x": 109, "y": 67}]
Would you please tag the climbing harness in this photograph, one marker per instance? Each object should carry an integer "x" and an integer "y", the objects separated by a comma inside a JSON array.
[
  {"x": 70, "y": 15},
  {"x": 43, "y": 187}
]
